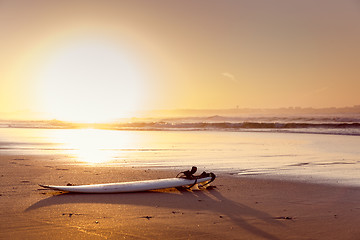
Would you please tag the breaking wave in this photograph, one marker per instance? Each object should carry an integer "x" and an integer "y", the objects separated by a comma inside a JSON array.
[{"x": 320, "y": 125}]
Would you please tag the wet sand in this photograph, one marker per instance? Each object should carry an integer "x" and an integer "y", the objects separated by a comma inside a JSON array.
[{"x": 237, "y": 208}]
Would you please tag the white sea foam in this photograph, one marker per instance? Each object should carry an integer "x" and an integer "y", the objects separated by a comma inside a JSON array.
[{"x": 339, "y": 124}]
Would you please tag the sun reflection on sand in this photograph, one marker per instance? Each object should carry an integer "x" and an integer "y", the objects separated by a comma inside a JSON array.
[{"x": 93, "y": 145}]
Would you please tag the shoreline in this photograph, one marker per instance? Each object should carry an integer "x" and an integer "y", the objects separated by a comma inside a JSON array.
[
  {"x": 315, "y": 131},
  {"x": 238, "y": 208},
  {"x": 304, "y": 157}
]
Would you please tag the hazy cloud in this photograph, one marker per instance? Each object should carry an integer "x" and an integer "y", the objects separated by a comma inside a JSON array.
[
  {"x": 320, "y": 90},
  {"x": 317, "y": 91},
  {"x": 229, "y": 76}
]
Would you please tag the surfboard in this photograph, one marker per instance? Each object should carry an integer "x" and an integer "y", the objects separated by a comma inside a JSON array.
[{"x": 136, "y": 186}]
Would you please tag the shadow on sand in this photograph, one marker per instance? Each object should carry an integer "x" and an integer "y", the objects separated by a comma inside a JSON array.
[{"x": 205, "y": 200}]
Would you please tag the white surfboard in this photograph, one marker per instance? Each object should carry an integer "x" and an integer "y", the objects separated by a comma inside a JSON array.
[{"x": 137, "y": 186}]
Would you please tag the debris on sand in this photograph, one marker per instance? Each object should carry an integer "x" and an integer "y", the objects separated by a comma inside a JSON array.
[
  {"x": 210, "y": 187},
  {"x": 71, "y": 214},
  {"x": 284, "y": 218}
]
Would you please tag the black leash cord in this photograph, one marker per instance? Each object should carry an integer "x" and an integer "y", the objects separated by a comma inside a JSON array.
[{"x": 189, "y": 174}]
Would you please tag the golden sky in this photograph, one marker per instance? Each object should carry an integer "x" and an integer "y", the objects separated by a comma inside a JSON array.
[{"x": 91, "y": 59}]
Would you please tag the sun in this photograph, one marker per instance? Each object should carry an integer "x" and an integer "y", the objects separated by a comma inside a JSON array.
[{"x": 90, "y": 81}]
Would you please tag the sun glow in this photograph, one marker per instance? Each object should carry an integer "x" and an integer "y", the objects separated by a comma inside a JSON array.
[
  {"x": 95, "y": 146},
  {"x": 91, "y": 81}
]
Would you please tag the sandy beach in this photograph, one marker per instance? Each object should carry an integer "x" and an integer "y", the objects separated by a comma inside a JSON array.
[
  {"x": 264, "y": 94},
  {"x": 237, "y": 208}
]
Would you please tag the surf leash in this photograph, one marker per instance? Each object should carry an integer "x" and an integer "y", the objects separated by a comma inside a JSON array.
[{"x": 189, "y": 174}]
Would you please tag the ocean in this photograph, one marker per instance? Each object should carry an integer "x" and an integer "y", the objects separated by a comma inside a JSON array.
[
  {"x": 313, "y": 149},
  {"x": 341, "y": 124}
]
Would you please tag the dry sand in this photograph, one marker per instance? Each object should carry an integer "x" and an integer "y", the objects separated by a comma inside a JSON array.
[{"x": 238, "y": 208}]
